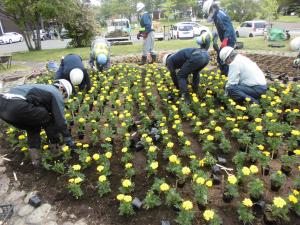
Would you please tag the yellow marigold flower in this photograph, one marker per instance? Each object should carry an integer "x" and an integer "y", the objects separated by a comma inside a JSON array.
[
  {"x": 270, "y": 134},
  {"x": 176, "y": 116},
  {"x": 108, "y": 155},
  {"x": 295, "y": 192},
  {"x": 152, "y": 149},
  {"x": 96, "y": 156},
  {"x": 187, "y": 143},
  {"x": 200, "y": 180},
  {"x": 248, "y": 99},
  {"x": 100, "y": 168},
  {"x": 279, "y": 202},
  {"x": 232, "y": 179},
  {"x": 164, "y": 131},
  {"x": 78, "y": 144},
  {"x": 81, "y": 120},
  {"x": 258, "y": 128},
  {"x": 180, "y": 134},
  {"x": 21, "y": 137},
  {"x": 208, "y": 215},
  {"x": 210, "y": 138},
  {"x": 198, "y": 124},
  {"x": 164, "y": 187},
  {"x": 170, "y": 144},
  {"x": 213, "y": 123},
  {"x": 192, "y": 157},
  {"x": 66, "y": 148},
  {"x": 186, "y": 170},
  {"x": 102, "y": 178},
  {"x": 71, "y": 180},
  {"x": 297, "y": 152},
  {"x": 246, "y": 171},
  {"x": 120, "y": 197},
  {"x": 187, "y": 205},
  {"x": 261, "y": 147},
  {"x": 108, "y": 139},
  {"x": 149, "y": 139},
  {"x": 124, "y": 150},
  {"x": 269, "y": 114},
  {"x": 128, "y": 165},
  {"x": 295, "y": 110},
  {"x": 45, "y": 147},
  {"x": 76, "y": 167},
  {"x": 127, "y": 198},
  {"x": 85, "y": 145},
  {"x": 295, "y": 132},
  {"x": 10, "y": 130},
  {"x": 172, "y": 158},
  {"x": 126, "y": 183},
  {"x": 293, "y": 199},
  {"x": 154, "y": 165},
  {"x": 218, "y": 129},
  {"x": 253, "y": 169},
  {"x": 211, "y": 111},
  {"x": 266, "y": 153},
  {"x": 24, "y": 149},
  {"x": 88, "y": 159},
  {"x": 247, "y": 202},
  {"x": 236, "y": 130},
  {"x": 258, "y": 120},
  {"x": 77, "y": 180},
  {"x": 209, "y": 183},
  {"x": 202, "y": 162}
]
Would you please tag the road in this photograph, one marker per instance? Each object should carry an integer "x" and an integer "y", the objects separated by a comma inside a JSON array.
[{"x": 21, "y": 46}]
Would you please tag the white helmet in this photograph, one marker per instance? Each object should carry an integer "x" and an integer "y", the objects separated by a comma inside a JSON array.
[
  {"x": 207, "y": 5},
  {"x": 140, "y": 6},
  {"x": 225, "y": 52},
  {"x": 76, "y": 76},
  {"x": 295, "y": 44},
  {"x": 164, "y": 61},
  {"x": 65, "y": 84}
]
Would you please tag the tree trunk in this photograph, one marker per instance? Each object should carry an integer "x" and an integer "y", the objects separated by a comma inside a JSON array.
[{"x": 37, "y": 41}]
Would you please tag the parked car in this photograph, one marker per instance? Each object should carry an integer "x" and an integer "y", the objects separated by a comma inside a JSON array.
[
  {"x": 179, "y": 30},
  {"x": 43, "y": 34},
  {"x": 10, "y": 37},
  {"x": 251, "y": 28},
  {"x": 198, "y": 29}
]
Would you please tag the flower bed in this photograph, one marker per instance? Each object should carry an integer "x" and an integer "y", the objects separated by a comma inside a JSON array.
[{"x": 143, "y": 154}]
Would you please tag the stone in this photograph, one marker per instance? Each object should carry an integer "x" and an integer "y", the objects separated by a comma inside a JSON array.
[
  {"x": 64, "y": 215},
  {"x": 19, "y": 221},
  {"x": 1, "y": 162},
  {"x": 39, "y": 214},
  {"x": 14, "y": 196},
  {"x": 4, "y": 184},
  {"x": 25, "y": 210},
  {"x": 51, "y": 223},
  {"x": 28, "y": 196},
  {"x": 68, "y": 223},
  {"x": 2, "y": 169},
  {"x": 72, "y": 216},
  {"x": 81, "y": 222},
  {"x": 52, "y": 216}
]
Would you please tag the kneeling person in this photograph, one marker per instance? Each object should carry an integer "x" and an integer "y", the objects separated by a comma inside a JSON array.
[
  {"x": 100, "y": 52},
  {"x": 245, "y": 78},
  {"x": 31, "y": 107}
]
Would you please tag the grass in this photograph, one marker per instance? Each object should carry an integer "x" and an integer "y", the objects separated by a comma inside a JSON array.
[
  {"x": 288, "y": 19},
  {"x": 255, "y": 43},
  {"x": 13, "y": 68}
]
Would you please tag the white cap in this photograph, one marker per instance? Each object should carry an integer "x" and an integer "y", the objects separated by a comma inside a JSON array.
[
  {"x": 76, "y": 76},
  {"x": 207, "y": 5},
  {"x": 295, "y": 44},
  {"x": 140, "y": 6},
  {"x": 165, "y": 59},
  {"x": 65, "y": 84},
  {"x": 225, "y": 52}
]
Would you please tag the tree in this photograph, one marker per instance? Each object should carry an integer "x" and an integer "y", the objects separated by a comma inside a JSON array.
[
  {"x": 168, "y": 7},
  {"x": 240, "y": 10},
  {"x": 28, "y": 15},
  {"x": 269, "y": 9}
]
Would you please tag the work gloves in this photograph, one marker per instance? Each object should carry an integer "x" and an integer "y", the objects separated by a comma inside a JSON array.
[
  {"x": 224, "y": 43},
  {"x": 296, "y": 62},
  {"x": 142, "y": 34}
]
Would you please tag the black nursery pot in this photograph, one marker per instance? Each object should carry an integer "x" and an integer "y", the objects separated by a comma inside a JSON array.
[
  {"x": 91, "y": 107},
  {"x": 227, "y": 198},
  {"x": 286, "y": 169},
  {"x": 72, "y": 123},
  {"x": 259, "y": 208},
  {"x": 80, "y": 135},
  {"x": 201, "y": 207},
  {"x": 255, "y": 198},
  {"x": 136, "y": 203},
  {"x": 265, "y": 170},
  {"x": 268, "y": 219},
  {"x": 180, "y": 184},
  {"x": 274, "y": 187}
]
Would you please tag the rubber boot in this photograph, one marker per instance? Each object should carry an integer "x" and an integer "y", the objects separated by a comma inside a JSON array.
[
  {"x": 143, "y": 61},
  {"x": 35, "y": 156},
  {"x": 187, "y": 98},
  {"x": 153, "y": 56}
]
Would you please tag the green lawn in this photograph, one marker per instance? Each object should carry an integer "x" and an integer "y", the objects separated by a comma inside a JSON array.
[
  {"x": 289, "y": 19},
  {"x": 13, "y": 68},
  {"x": 256, "y": 43}
]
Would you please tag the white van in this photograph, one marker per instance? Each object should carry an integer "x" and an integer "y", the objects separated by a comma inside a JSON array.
[{"x": 251, "y": 28}]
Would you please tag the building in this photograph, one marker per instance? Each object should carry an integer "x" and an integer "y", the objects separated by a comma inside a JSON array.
[{"x": 7, "y": 25}]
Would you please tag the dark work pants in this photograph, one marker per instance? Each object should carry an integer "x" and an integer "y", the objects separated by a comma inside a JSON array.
[
  {"x": 240, "y": 92},
  {"x": 192, "y": 66},
  {"x": 26, "y": 116}
]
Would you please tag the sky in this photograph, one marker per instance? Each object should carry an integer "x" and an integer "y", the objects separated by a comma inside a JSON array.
[{"x": 95, "y": 2}]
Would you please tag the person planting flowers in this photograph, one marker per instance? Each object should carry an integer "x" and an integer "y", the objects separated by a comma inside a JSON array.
[{"x": 33, "y": 107}]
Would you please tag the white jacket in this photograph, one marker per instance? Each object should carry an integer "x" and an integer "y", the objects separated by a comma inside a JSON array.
[{"x": 243, "y": 71}]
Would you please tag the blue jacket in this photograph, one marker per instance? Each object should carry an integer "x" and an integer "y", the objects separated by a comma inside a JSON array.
[
  {"x": 224, "y": 27},
  {"x": 146, "y": 22},
  {"x": 72, "y": 61}
]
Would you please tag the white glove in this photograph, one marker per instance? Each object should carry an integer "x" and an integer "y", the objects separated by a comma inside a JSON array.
[{"x": 296, "y": 62}]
